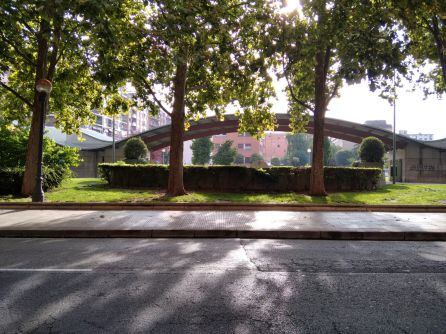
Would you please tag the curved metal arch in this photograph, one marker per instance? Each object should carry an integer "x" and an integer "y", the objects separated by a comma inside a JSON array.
[{"x": 159, "y": 138}]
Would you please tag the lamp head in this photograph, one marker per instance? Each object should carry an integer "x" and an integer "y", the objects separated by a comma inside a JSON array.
[{"x": 44, "y": 86}]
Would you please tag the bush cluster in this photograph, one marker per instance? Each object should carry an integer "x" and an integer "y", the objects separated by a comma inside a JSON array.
[
  {"x": 135, "y": 150},
  {"x": 372, "y": 150},
  {"x": 239, "y": 178},
  {"x": 57, "y": 160}
]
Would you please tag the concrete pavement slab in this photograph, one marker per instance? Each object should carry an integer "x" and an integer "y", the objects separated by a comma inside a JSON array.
[{"x": 223, "y": 224}]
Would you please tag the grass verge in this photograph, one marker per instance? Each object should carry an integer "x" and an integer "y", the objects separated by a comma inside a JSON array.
[{"x": 96, "y": 190}]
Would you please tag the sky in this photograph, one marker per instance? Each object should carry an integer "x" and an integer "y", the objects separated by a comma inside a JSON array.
[{"x": 357, "y": 103}]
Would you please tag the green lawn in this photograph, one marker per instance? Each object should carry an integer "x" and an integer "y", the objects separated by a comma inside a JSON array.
[{"x": 96, "y": 190}]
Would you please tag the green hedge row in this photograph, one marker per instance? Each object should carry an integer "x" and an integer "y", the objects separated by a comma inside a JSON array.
[
  {"x": 11, "y": 179},
  {"x": 239, "y": 179}
]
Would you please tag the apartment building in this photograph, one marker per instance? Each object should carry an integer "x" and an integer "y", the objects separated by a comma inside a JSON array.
[
  {"x": 418, "y": 136},
  {"x": 243, "y": 142},
  {"x": 273, "y": 145}
]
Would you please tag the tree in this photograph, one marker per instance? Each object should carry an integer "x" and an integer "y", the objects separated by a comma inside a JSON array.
[
  {"x": 58, "y": 40},
  {"x": 225, "y": 155},
  {"x": 424, "y": 22},
  {"x": 275, "y": 161},
  {"x": 135, "y": 150},
  {"x": 298, "y": 145},
  {"x": 211, "y": 55},
  {"x": 255, "y": 157},
  {"x": 329, "y": 152},
  {"x": 332, "y": 42},
  {"x": 372, "y": 150},
  {"x": 344, "y": 158},
  {"x": 201, "y": 151},
  {"x": 239, "y": 159}
]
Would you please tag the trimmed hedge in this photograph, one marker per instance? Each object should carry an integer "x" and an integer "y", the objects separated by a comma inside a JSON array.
[
  {"x": 239, "y": 178},
  {"x": 11, "y": 179}
]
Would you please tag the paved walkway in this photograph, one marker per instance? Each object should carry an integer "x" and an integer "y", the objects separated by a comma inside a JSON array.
[{"x": 243, "y": 224}]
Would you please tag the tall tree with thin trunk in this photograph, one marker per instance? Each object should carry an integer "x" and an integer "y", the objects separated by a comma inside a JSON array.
[
  {"x": 327, "y": 43},
  {"x": 194, "y": 57},
  {"x": 58, "y": 40}
]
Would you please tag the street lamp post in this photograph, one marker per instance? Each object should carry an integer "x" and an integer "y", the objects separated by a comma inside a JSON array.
[
  {"x": 394, "y": 133},
  {"x": 114, "y": 142},
  {"x": 163, "y": 152},
  {"x": 43, "y": 87},
  {"x": 309, "y": 156}
]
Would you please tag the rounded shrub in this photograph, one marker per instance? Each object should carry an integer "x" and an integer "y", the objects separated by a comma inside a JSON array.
[
  {"x": 372, "y": 150},
  {"x": 135, "y": 150}
]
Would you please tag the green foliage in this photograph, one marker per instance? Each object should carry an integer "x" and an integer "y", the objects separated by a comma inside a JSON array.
[
  {"x": 71, "y": 38},
  {"x": 57, "y": 160},
  {"x": 225, "y": 155},
  {"x": 239, "y": 159},
  {"x": 256, "y": 158},
  {"x": 239, "y": 178},
  {"x": 201, "y": 151},
  {"x": 344, "y": 157},
  {"x": 424, "y": 25},
  {"x": 275, "y": 161},
  {"x": 12, "y": 146},
  {"x": 372, "y": 150},
  {"x": 135, "y": 150},
  {"x": 297, "y": 154},
  {"x": 355, "y": 42},
  {"x": 329, "y": 152},
  {"x": 222, "y": 42}
]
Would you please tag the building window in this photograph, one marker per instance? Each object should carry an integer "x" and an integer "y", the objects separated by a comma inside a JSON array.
[
  {"x": 247, "y": 146},
  {"x": 240, "y": 146}
]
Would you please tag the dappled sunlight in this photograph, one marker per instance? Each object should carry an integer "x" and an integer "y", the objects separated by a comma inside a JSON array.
[{"x": 183, "y": 285}]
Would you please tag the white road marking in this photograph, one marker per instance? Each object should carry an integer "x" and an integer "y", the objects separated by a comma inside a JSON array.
[{"x": 43, "y": 270}]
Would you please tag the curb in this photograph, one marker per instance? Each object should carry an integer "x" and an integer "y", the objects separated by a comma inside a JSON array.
[
  {"x": 223, "y": 207},
  {"x": 243, "y": 234}
]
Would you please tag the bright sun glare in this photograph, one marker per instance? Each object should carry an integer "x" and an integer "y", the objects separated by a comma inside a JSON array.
[{"x": 291, "y": 5}]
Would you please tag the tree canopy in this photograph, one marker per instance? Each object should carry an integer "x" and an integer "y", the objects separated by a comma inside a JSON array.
[
  {"x": 193, "y": 57},
  {"x": 201, "y": 151},
  {"x": 63, "y": 41},
  {"x": 225, "y": 154},
  {"x": 424, "y": 25}
]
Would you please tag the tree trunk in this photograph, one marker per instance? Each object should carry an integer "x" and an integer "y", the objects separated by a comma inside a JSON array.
[
  {"x": 317, "y": 187},
  {"x": 175, "y": 185},
  {"x": 29, "y": 177}
]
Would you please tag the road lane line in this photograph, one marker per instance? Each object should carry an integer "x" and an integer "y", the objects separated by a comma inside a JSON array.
[{"x": 43, "y": 270}]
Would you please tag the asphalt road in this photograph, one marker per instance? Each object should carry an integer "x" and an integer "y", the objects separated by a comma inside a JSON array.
[{"x": 221, "y": 286}]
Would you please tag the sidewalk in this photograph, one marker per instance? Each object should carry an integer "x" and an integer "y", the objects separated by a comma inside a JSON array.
[{"x": 223, "y": 224}]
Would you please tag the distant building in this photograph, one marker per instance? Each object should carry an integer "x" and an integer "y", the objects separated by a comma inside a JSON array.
[
  {"x": 273, "y": 145},
  {"x": 418, "y": 136},
  {"x": 244, "y": 143},
  {"x": 379, "y": 123},
  {"x": 127, "y": 125}
]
